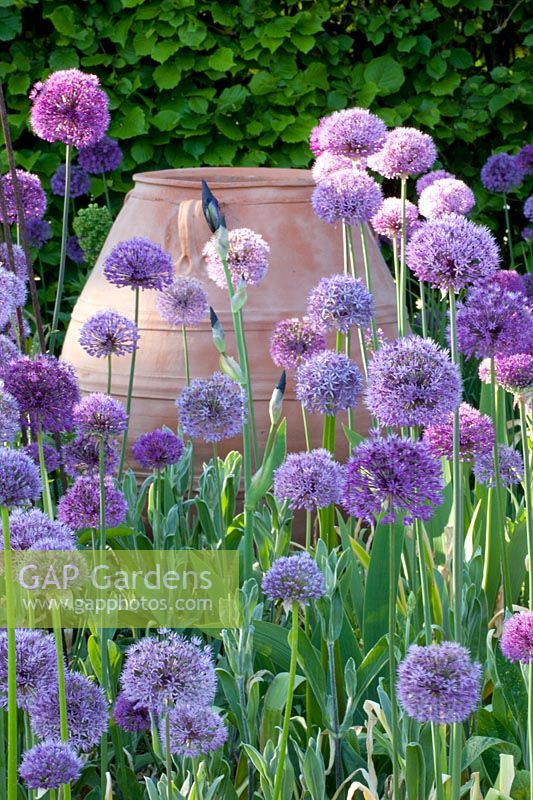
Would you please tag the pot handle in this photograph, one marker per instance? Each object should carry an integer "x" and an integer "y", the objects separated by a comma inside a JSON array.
[{"x": 186, "y": 235}]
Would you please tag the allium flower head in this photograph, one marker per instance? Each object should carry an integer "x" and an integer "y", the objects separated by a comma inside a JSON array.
[
  {"x": 295, "y": 579},
  {"x": 395, "y": 477},
  {"x": 13, "y": 294},
  {"x": 75, "y": 250},
  {"x": 527, "y": 233},
  {"x": 511, "y": 467},
  {"x": 328, "y": 163},
  {"x": 439, "y": 683},
  {"x": 476, "y": 434},
  {"x": 248, "y": 255},
  {"x": 308, "y": 480},
  {"x": 162, "y": 672},
  {"x": 514, "y": 373},
  {"x": 407, "y": 151},
  {"x": 139, "y": 264},
  {"x": 92, "y": 225},
  {"x": 100, "y": 414},
  {"x": 528, "y": 285},
  {"x": 430, "y": 177},
  {"x": 9, "y": 417},
  {"x": 510, "y": 280},
  {"x": 388, "y": 220},
  {"x": 82, "y": 456},
  {"x": 30, "y": 527},
  {"x": 340, "y": 302},
  {"x": 353, "y": 132},
  {"x": 446, "y": 196},
  {"x": 32, "y": 196},
  {"x": 194, "y": 730},
  {"x": 158, "y": 449},
  {"x": 348, "y": 195},
  {"x": 212, "y": 408},
  {"x": 80, "y": 505},
  {"x": 293, "y": 341},
  {"x": 107, "y": 333},
  {"x": 104, "y": 155},
  {"x": 517, "y": 638},
  {"x": 501, "y": 173},
  {"x": 19, "y": 478},
  {"x": 411, "y": 381},
  {"x": 327, "y": 383},
  {"x": 131, "y": 716},
  {"x": 452, "y": 252},
  {"x": 39, "y": 231},
  {"x": 49, "y": 765},
  {"x": 528, "y": 208},
  {"x": 8, "y": 352},
  {"x": 525, "y": 159},
  {"x": 19, "y": 260},
  {"x": 36, "y": 665},
  {"x": 69, "y": 107},
  {"x": 184, "y": 302},
  {"x": 46, "y": 391},
  {"x": 80, "y": 182}
]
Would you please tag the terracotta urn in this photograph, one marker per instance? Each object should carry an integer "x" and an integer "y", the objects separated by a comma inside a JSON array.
[{"x": 166, "y": 207}]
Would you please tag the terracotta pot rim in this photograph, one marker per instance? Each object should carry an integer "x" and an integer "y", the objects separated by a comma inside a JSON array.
[{"x": 228, "y": 177}]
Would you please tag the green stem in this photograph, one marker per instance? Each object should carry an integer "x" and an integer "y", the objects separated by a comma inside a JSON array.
[
  {"x": 61, "y": 688},
  {"x": 508, "y": 230},
  {"x": 63, "y": 252},
  {"x": 130, "y": 392},
  {"x": 288, "y": 707},
  {"x": 308, "y": 530},
  {"x": 403, "y": 269},
  {"x": 423, "y": 310},
  {"x": 246, "y": 732},
  {"x": 368, "y": 279},
  {"x": 106, "y": 193},
  {"x": 102, "y": 633},
  {"x": 306, "y": 429},
  {"x": 507, "y": 592},
  {"x": 220, "y": 521},
  {"x": 327, "y": 515},
  {"x": 48, "y": 507},
  {"x": 530, "y": 723},
  {"x": 186, "y": 355},
  {"x": 3, "y": 774},
  {"x": 12, "y": 732},
  {"x": 392, "y": 665},
  {"x": 397, "y": 282},
  {"x": 351, "y": 250},
  {"x": 437, "y": 765},
  {"x": 527, "y": 496},
  {"x": 109, "y": 374},
  {"x": 168, "y": 758},
  {"x": 364, "y": 353},
  {"x": 249, "y": 395},
  {"x": 335, "y": 708}
]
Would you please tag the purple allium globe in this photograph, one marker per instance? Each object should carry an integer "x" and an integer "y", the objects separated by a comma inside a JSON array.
[
  {"x": 29, "y": 527},
  {"x": 69, "y": 107},
  {"x": 328, "y": 163},
  {"x": 510, "y": 280},
  {"x": 517, "y": 638},
  {"x": 80, "y": 505},
  {"x": 293, "y": 341},
  {"x": 82, "y": 456},
  {"x": 87, "y": 712},
  {"x": 158, "y": 449},
  {"x": 446, "y": 196},
  {"x": 131, "y": 716},
  {"x": 295, "y": 579},
  {"x": 51, "y": 456},
  {"x": 527, "y": 233},
  {"x": 103, "y": 156},
  {"x": 514, "y": 373},
  {"x": 36, "y": 665},
  {"x": 75, "y": 250},
  {"x": 451, "y": 252},
  {"x": 107, "y": 333},
  {"x": 8, "y": 352},
  {"x": 184, "y": 302},
  {"x": 340, "y": 302},
  {"x": 388, "y": 220},
  {"x": 348, "y": 195},
  {"x": 248, "y": 255},
  {"x": 525, "y": 159},
  {"x": 32, "y": 196},
  {"x": 511, "y": 467},
  {"x": 476, "y": 434},
  {"x": 407, "y": 151},
  {"x": 352, "y": 132},
  {"x": 327, "y": 383},
  {"x": 501, "y": 173},
  {"x": 19, "y": 478},
  {"x": 195, "y": 730},
  {"x": 9, "y": 417},
  {"x": 528, "y": 285},
  {"x": 19, "y": 260},
  {"x": 528, "y": 208},
  {"x": 439, "y": 683},
  {"x": 411, "y": 381},
  {"x": 430, "y": 177},
  {"x": 38, "y": 231},
  {"x": 46, "y": 391},
  {"x": 49, "y": 765},
  {"x": 308, "y": 480},
  {"x": 140, "y": 264},
  {"x": 80, "y": 182},
  {"x": 212, "y": 408},
  {"x": 393, "y": 477},
  {"x": 162, "y": 672},
  {"x": 100, "y": 415},
  {"x": 13, "y": 294}
]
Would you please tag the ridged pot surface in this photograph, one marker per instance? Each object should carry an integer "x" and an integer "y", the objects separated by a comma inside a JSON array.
[{"x": 166, "y": 207}]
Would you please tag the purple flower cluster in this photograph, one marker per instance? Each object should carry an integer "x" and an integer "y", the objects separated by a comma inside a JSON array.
[
  {"x": 528, "y": 208},
  {"x": 75, "y": 250},
  {"x": 158, "y": 449},
  {"x": 103, "y": 156},
  {"x": 13, "y": 294},
  {"x": 80, "y": 183},
  {"x": 327, "y": 383},
  {"x": 407, "y": 151},
  {"x": 476, "y": 434},
  {"x": 212, "y": 408},
  {"x": 100, "y": 415},
  {"x": 514, "y": 373},
  {"x": 293, "y": 341},
  {"x": 19, "y": 260},
  {"x": 295, "y": 579},
  {"x": 49, "y": 765},
  {"x": 9, "y": 417},
  {"x": 510, "y": 463},
  {"x": 388, "y": 220},
  {"x": 501, "y": 173},
  {"x": 39, "y": 231},
  {"x": 32, "y": 196},
  {"x": 430, "y": 177},
  {"x": 30, "y": 528},
  {"x": 525, "y": 159},
  {"x": 140, "y": 264},
  {"x": 82, "y": 456},
  {"x": 51, "y": 457},
  {"x": 352, "y": 132},
  {"x": 517, "y": 637},
  {"x": 19, "y": 478},
  {"x": 8, "y": 352},
  {"x": 184, "y": 302},
  {"x": 131, "y": 716},
  {"x": 446, "y": 196},
  {"x": 247, "y": 258},
  {"x": 107, "y": 333},
  {"x": 510, "y": 280},
  {"x": 36, "y": 665},
  {"x": 80, "y": 505},
  {"x": 195, "y": 730},
  {"x": 327, "y": 163},
  {"x": 348, "y": 195},
  {"x": 308, "y": 480},
  {"x": 340, "y": 302}
]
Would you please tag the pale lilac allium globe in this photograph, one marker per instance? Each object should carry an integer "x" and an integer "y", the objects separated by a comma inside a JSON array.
[
  {"x": 525, "y": 159},
  {"x": 19, "y": 260},
  {"x": 32, "y": 196},
  {"x": 82, "y": 456},
  {"x": 107, "y": 333},
  {"x": 80, "y": 505},
  {"x": 36, "y": 665},
  {"x": 510, "y": 463},
  {"x": 13, "y": 294},
  {"x": 158, "y": 449},
  {"x": 340, "y": 302},
  {"x": 247, "y": 258},
  {"x": 327, "y": 383},
  {"x": 348, "y": 195},
  {"x": 100, "y": 415},
  {"x": 388, "y": 220},
  {"x": 103, "y": 156},
  {"x": 294, "y": 340},
  {"x": 430, "y": 177},
  {"x": 517, "y": 638},
  {"x": 514, "y": 373},
  {"x": 294, "y": 579},
  {"x": 406, "y": 151},
  {"x": 29, "y": 527},
  {"x": 9, "y": 417},
  {"x": 446, "y": 196},
  {"x": 50, "y": 765},
  {"x": 528, "y": 208},
  {"x": 140, "y": 264},
  {"x": 501, "y": 173},
  {"x": 352, "y": 132},
  {"x": 308, "y": 480},
  {"x": 184, "y": 302},
  {"x": 195, "y": 730},
  {"x": 8, "y": 352},
  {"x": 80, "y": 182},
  {"x": 131, "y": 716},
  {"x": 19, "y": 478},
  {"x": 212, "y": 408},
  {"x": 476, "y": 434},
  {"x": 328, "y": 163}
]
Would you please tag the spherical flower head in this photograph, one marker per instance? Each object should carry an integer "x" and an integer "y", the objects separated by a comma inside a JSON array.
[
  {"x": 412, "y": 381},
  {"x": 87, "y": 714},
  {"x": 446, "y": 196},
  {"x": 501, "y": 173},
  {"x": 36, "y": 665},
  {"x": 69, "y": 107},
  {"x": 295, "y": 579},
  {"x": 212, "y": 408},
  {"x": 131, "y": 716},
  {"x": 80, "y": 182},
  {"x": 293, "y": 341},
  {"x": 525, "y": 159},
  {"x": 510, "y": 280},
  {"x": 100, "y": 157},
  {"x": 32, "y": 196},
  {"x": 407, "y": 151},
  {"x": 12, "y": 330},
  {"x": 430, "y": 177},
  {"x": 184, "y": 302},
  {"x": 19, "y": 478},
  {"x": 46, "y": 391},
  {"x": 393, "y": 477},
  {"x": 388, "y": 220},
  {"x": 13, "y": 293},
  {"x": 340, "y": 302},
  {"x": 494, "y": 322},
  {"x": 49, "y": 765},
  {"x": 51, "y": 457},
  {"x": 75, "y": 250},
  {"x": 194, "y": 730},
  {"x": 9, "y": 417},
  {"x": 80, "y": 505},
  {"x": 476, "y": 434},
  {"x": 248, "y": 255},
  {"x": 107, "y": 333},
  {"x": 38, "y": 231},
  {"x": 8, "y": 352},
  {"x": 352, "y": 132},
  {"x": 139, "y": 264},
  {"x": 101, "y": 415},
  {"x": 439, "y": 683},
  {"x": 162, "y": 672},
  {"x": 82, "y": 456},
  {"x": 514, "y": 373},
  {"x": 511, "y": 467},
  {"x": 527, "y": 233},
  {"x": 451, "y": 252},
  {"x": 528, "y": 208},
  {"x": 327, "y": 383},
  {"x": 528, "y": 285},
  {"x": 158, "y": 449},
  {"x": 30, "y": 527},
  {"x": 517, "y": 638},
  {"x": 328, "y": 163},
  {"x": 308, "y": 480},
  {"x": 19, "y": 260},
  {"x": 348, "y": 195}
]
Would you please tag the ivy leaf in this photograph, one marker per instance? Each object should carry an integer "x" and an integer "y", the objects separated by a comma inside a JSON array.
[
  {"x": 133, "y": 123},
  {"x": 386, "y": 73},
  {"x": 222, "y": 60},
  {"x": 63, "y": 20},
  {"x": 10, "y": 24}
]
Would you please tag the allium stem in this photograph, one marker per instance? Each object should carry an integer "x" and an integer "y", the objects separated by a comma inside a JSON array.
[
  {"x": 220, "y": 521},
  {"x": 327, "y": 515},
  {"x": 498, "y": 491},
  {"x": 251, "y": 409},
  {"x": 186, "y": 355},
  {"x": 168, "y": 758},
  {"x": 368, "y": 280},
  {"x": 335, "y": 706},
  {"x": 61, "y": 690},
  {"x": 109, "y": 374},
  {"x": 423, "y": 309},
  {"x": 130, "y": 392},
  {"x": 527, "y": 496},
  {"x": 306, "y": 429},
  {"x": 106, "y": 193},
  {"x": 48, "y": 507},
  {"x": 11, "y": 663},
  {"x": 63, "y": 253},
  {"x": 402, "y": 328},
  {"x": 393, "y": 585},
  {"x": 282, "y": 755},
  {"x": 351, "y": 250},
  {"x": 508, "y": 230},
  {"x": 397, "y": 281},
  {"x": 102, "y": 633},
  {"x": 364, "y": 354}
]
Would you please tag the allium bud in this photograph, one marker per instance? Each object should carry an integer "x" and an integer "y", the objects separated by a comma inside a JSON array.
[
  {"x": 211, "y": 208},
  {"x": 217, "y": 331},
  {"x": 276, "y": 401}
]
